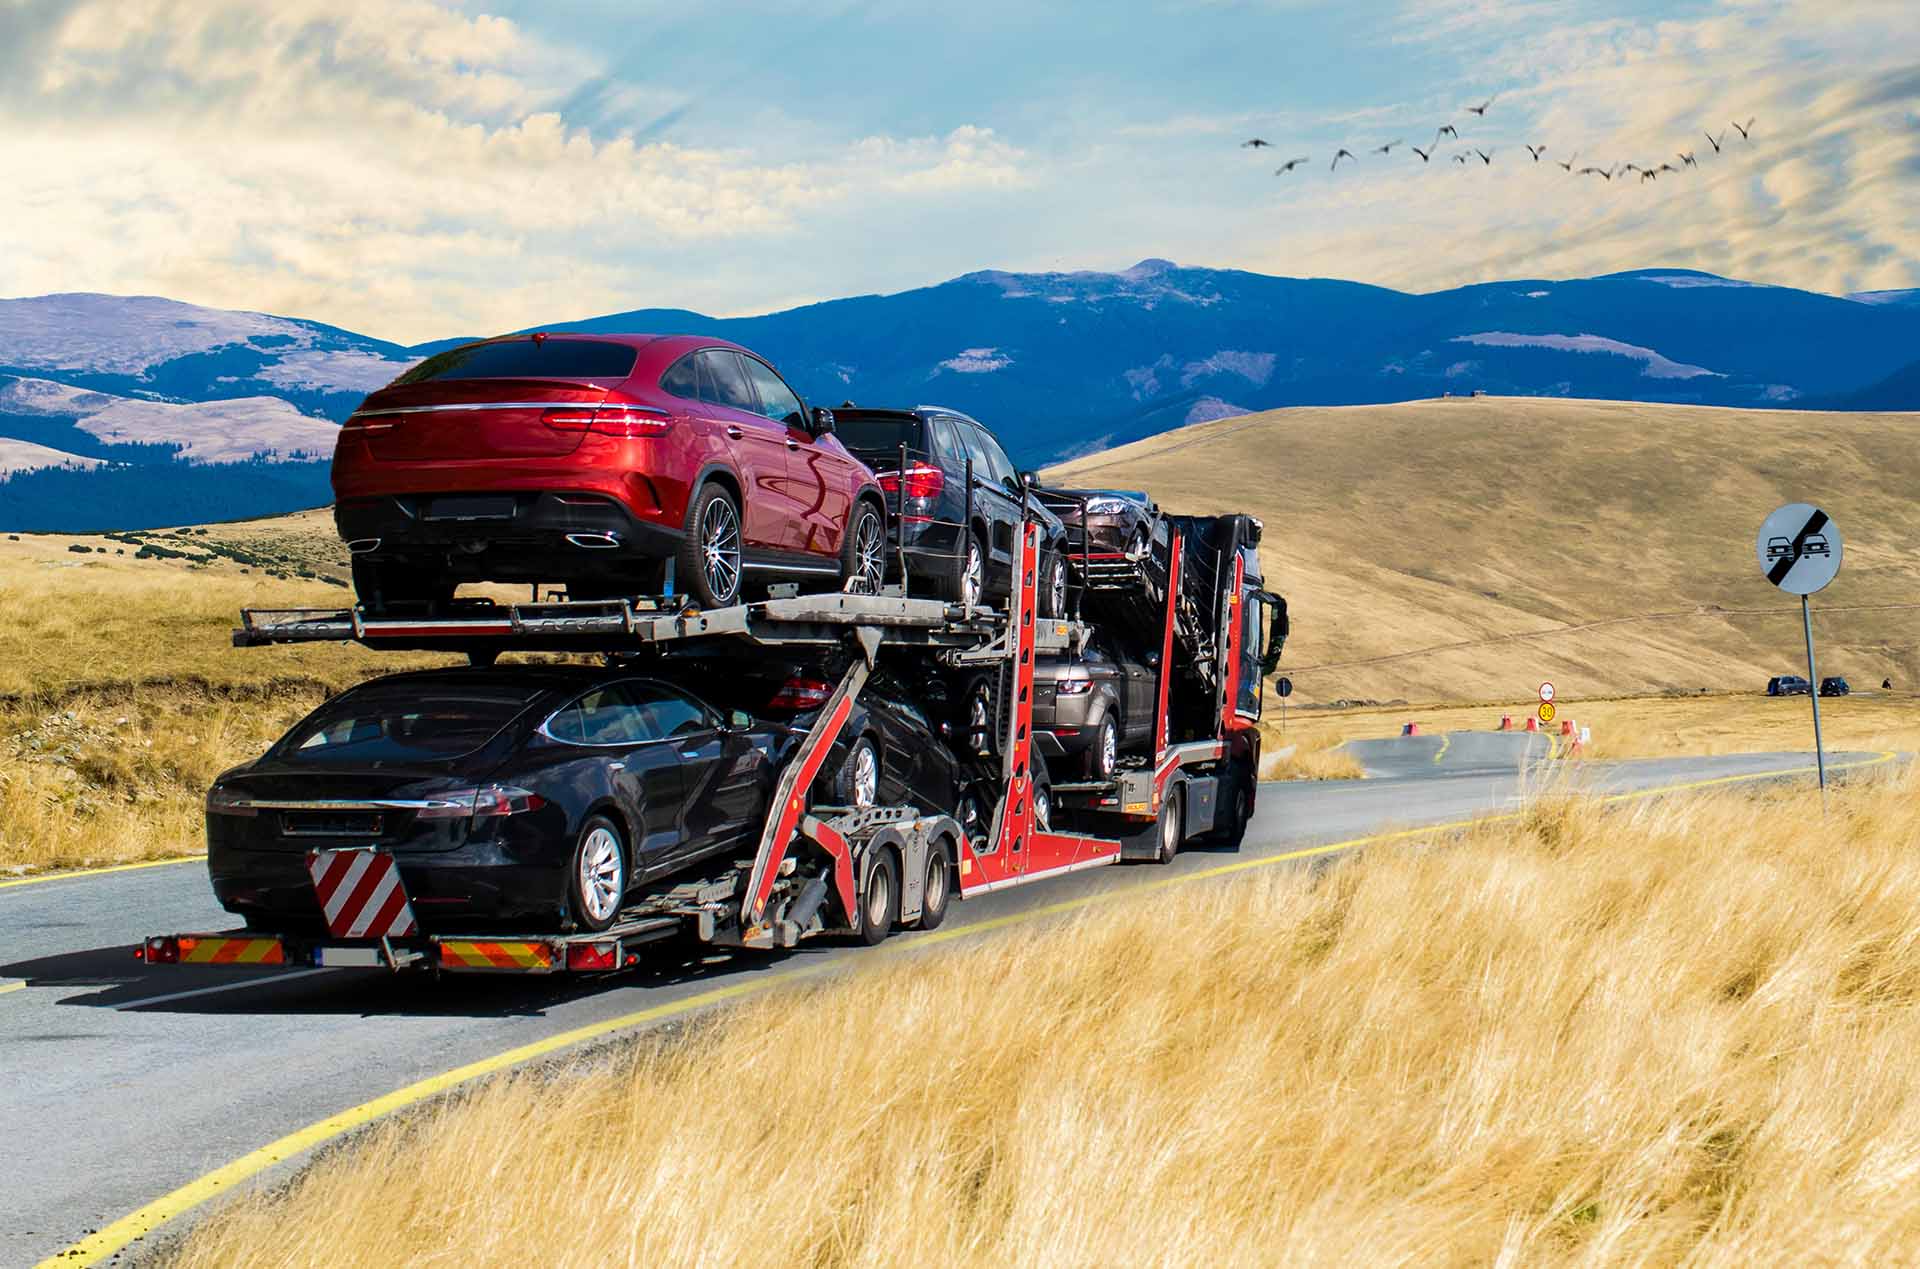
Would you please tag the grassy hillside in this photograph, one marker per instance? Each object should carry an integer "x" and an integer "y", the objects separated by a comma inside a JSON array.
[
  {"x": 1400, "y": 528},
  {"x": 120, "y": 693},
  {"x": 1689, "y": 1056}
]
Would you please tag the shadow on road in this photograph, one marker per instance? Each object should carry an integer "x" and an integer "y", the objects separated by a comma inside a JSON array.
[{"x": 111, "y": 978}]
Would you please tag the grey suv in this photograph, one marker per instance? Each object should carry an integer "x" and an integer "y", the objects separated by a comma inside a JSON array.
[{"x": 1092, "y": 707}]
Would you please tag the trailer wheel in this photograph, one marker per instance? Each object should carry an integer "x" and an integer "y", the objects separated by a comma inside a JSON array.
[
  {"x": 1170, "y": 827},
  {"x": 982, "y": 735},
  {"x": 880, "y": 901},
  {"x": 939, "y": 888},
  {"x": 597, "y": 885}
]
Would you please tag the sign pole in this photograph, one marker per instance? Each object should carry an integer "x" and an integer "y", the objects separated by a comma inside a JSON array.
[{"x": 1813, "y": 693}]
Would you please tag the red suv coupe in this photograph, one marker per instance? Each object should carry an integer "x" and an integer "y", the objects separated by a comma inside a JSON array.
[{"x": 616, "y": 464}]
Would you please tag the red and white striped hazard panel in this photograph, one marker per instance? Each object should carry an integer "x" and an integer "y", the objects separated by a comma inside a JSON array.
[{"x": 361, "y": 894}]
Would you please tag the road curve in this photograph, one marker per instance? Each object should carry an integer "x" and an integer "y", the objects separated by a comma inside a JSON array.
[{"x": 121, "y": 1083}]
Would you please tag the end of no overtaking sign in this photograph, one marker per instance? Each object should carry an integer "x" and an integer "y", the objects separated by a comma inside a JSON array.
[{"x": 1799, "y": 548}]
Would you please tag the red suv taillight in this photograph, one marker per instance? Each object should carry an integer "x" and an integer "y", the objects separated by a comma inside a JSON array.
[
  {"x": 922, "y": 481},
  {"x": 625, "y": 421},
  {"x": 799, "y": 693}
]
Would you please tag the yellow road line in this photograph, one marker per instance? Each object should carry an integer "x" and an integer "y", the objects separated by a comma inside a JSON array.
[
  {"x": 115, "y": 1237},
  {"x": 7, "y": 987},
  {"x": 97, "y": 872},
  {"x": 1441, "y": 752}
]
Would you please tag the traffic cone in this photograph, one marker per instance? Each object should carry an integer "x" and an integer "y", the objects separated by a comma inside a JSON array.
[
  {"x": 1533, "y": 724},
  {"x": 1506, "y": 722}
]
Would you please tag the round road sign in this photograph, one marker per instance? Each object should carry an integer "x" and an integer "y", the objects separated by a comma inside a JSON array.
[
  {"x": 1546, "y": 711},
  {"x": 1284, "y": 686},
  {"x": 1546, "y": 692},
  {"x": 1799, "y": 548}
]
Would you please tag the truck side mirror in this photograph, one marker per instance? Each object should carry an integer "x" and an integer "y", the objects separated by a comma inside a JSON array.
[
  {"x": 1031, "y": 479},
  {"x": 1276, "y": 630}
]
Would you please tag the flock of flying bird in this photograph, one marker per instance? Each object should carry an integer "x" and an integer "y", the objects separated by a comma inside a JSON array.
[{"x": 1536, "y": 152}]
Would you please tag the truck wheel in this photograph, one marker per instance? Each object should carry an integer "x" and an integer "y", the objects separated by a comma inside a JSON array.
[
  {"x": 880, "y": 901},
  {"x": 939, "y": 888},
  {"x": 597, "y": 877},
  {"x": 965, "y": 583},
  {"x": 1238, "y": 810},
  {"x": 710, "y": 551},
  {"x": 1170, "y": 827},
  {"x": 863, "y": 552}
]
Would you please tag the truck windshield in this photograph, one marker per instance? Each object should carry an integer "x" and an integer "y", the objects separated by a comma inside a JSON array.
[{"x": 405, "y": 722}]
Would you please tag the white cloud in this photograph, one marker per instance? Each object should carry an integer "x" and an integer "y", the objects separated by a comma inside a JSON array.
[{"x": 395, "y": 167}]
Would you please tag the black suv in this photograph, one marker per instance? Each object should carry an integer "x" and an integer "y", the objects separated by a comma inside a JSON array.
[
  {"x": 1834, "y": 686},
  {"x": 1788, "y": 685},
  {"x": 963, "y": 546}
]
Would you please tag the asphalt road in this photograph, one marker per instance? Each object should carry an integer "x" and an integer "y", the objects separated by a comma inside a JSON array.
[{"x": 121, "y": 1082}]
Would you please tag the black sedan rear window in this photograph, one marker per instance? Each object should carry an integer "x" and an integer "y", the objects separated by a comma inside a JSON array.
[
  {"x": 405, "y": 722},
  {"x": 527, "y": 359}
]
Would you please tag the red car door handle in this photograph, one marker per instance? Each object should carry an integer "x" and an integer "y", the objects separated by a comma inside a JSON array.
[
  {"x": 733, "y": 431},
  {"x": 793, "y": 444}
]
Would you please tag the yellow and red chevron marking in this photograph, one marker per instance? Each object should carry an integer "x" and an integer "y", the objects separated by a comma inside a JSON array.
[
  {"x": 200, "y": 950},
  {"x": 508, "y": 954}
]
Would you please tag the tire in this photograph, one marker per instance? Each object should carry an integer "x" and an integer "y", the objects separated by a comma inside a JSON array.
[
  {"x": 857, "y": 782},
  {"x": 597, "y": 875},
  {"x": 975, "y": 817},
  {"x": 938, "y": 892},
  {"x": 880, "y": 900},
  {"x": 1169, "y": 829},
  {"x": 1103, "y": 755},
  {"x": 1053, "y": 585},
  {"x": 709, "y": 557},
  {"x": 1042, "y": 795},
  {"x": 379, "y": 585},
  {"x": 966, "y": 584},
  {"x": 863, "y": 551},
  {"x": 1238, "y": 805},
  {"x": 978, "y": 726}
]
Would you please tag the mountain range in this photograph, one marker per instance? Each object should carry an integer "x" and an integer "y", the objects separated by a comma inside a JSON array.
[{"x": 128, "y": 412}]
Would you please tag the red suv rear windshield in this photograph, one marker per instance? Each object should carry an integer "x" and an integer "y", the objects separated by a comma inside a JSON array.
[{"x": 527, "y": 359}]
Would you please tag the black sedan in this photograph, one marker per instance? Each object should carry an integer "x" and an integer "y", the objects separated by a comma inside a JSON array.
[
  {"x": 533, "y": 795},
  {"x": 889, "y": 753}
]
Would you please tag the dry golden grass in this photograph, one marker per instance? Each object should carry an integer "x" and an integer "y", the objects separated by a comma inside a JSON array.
[
  {"x": 1643, "y": 727},
  {"x": 1405, "y": 528},
  {"x": 1307, "y": 758},
  {"x": 120, "y": 693},
  {"x": 1681, "y": 1030}
]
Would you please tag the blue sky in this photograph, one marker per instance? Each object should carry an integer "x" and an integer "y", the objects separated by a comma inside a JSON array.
[{"x": 419, "y": 168}]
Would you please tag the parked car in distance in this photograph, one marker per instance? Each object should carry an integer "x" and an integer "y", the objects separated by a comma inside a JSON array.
[
  {"x": 593, "y": 461},
  {"x": 1119, "y": 522},
  {"x": 1834, "y": 685},
  {"x": 1787, "y": 685},
  {"x": 963, "y": 548},
  {"x": 522, "y": 794}
]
